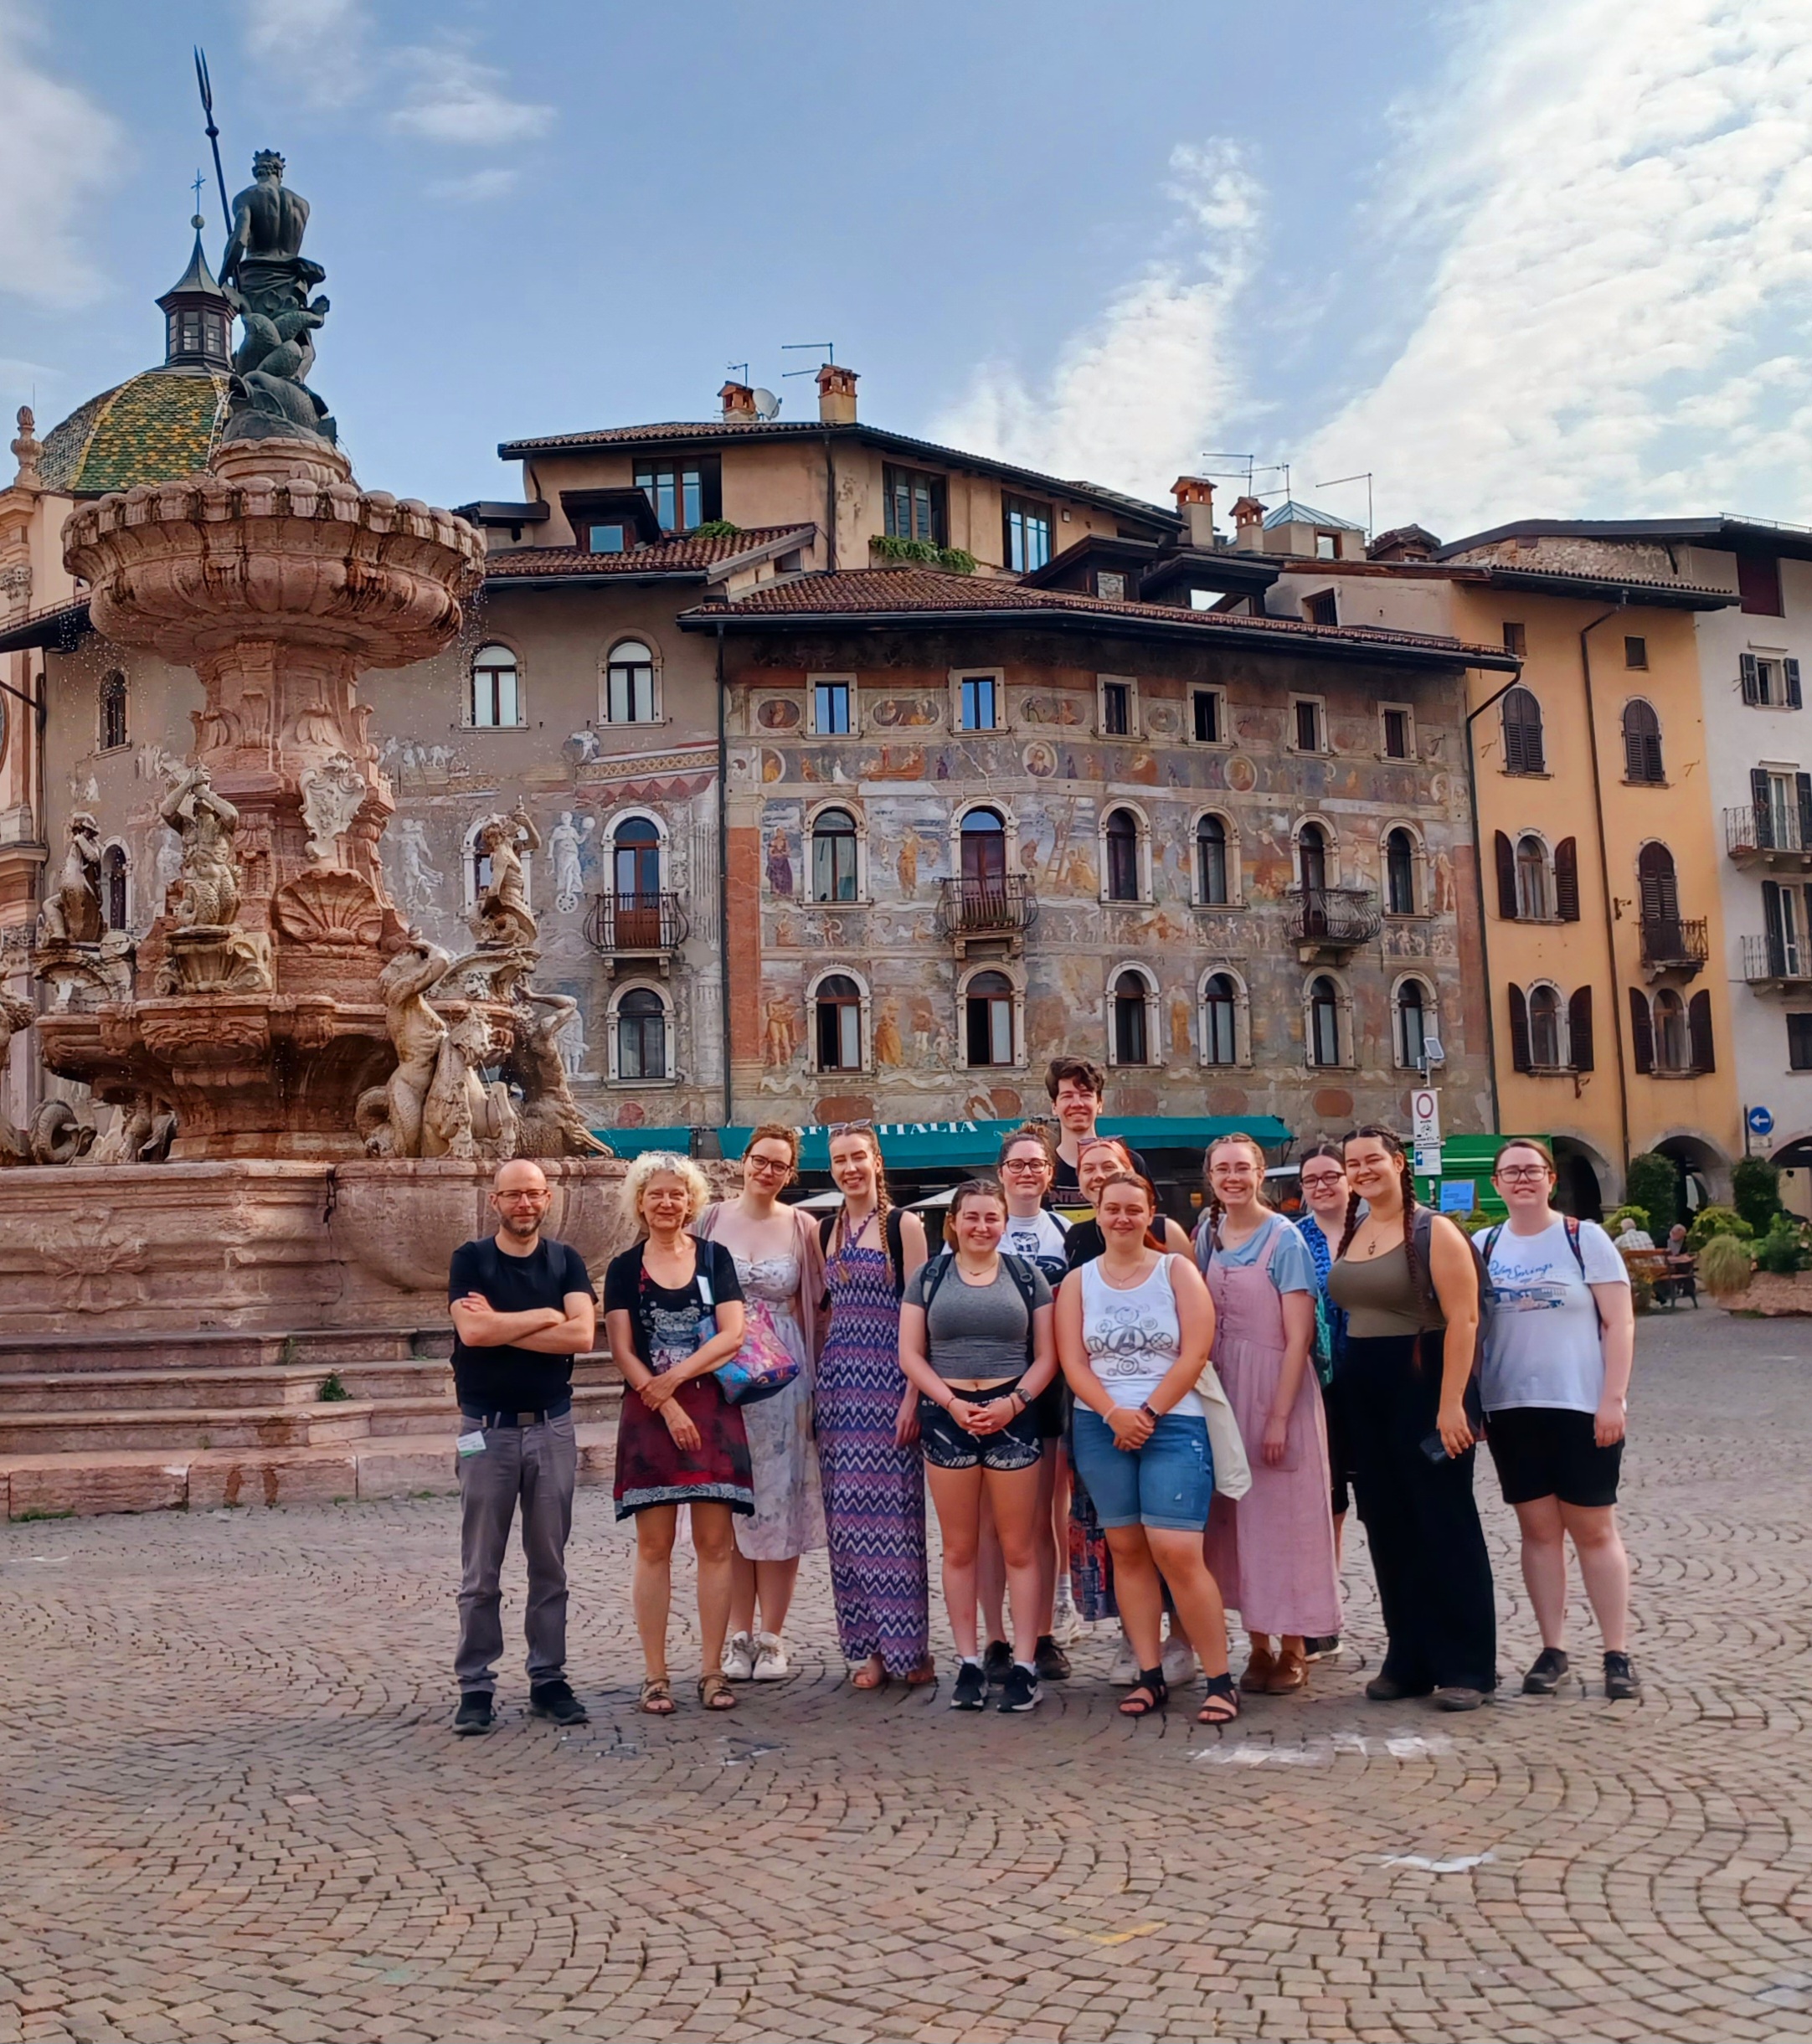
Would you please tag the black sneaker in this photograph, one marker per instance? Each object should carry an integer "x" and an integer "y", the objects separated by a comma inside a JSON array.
[
  {"x": 1547, "y": 1673},
  {"x": 556, "y": 1699},
  {"x": 995, "y": 1662},
  {"x": 1325, "y": 1649},
  {"x": 1021, "y": 1691},
  {"x": 1050, "y": 1661},
  {"x": 971, "y": 1690},
  {"x": 475, "y": 1714},
  {"x": 1622, "y": 1684}
]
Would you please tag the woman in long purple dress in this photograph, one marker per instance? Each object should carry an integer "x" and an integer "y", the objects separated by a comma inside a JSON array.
[{"x": 874, "y": 1491}]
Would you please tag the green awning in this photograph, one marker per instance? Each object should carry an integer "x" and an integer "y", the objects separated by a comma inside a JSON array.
[{"x": 955, "y": 1146}]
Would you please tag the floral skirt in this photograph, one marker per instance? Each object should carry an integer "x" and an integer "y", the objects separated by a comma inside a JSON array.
[{"x": 652, "y": 1468}]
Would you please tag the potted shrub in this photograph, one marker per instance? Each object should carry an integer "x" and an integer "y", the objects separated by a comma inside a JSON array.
[{"x": 1725, "y": 1267}]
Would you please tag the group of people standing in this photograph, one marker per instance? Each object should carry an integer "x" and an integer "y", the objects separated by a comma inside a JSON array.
[{"x": 1110, "y": 1417}]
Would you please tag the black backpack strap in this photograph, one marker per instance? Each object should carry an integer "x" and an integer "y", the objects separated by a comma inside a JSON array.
[
  {"x": 936, "y": 1271},
  {"x": 1490, "y": 1244},
  {"x": 826, "y": 1224},
  {"x": 1025, "y": 1282},
  {"x": 894, "y": 1231},
  {"x": 1573, "y": 1243}
]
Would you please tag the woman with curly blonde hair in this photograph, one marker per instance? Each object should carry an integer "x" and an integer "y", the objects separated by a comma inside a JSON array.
[{"x": 673, "y": 1311}]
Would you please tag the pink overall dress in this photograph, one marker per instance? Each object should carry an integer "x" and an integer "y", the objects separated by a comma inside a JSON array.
[{"x": 1271, "y": 1553}]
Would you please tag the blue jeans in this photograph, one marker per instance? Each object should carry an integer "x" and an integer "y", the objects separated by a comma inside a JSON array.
[{"x": 1169, "y": 1483}]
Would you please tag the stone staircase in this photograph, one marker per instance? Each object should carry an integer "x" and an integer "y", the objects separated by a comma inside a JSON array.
[{"x": 159, "y": 1422}]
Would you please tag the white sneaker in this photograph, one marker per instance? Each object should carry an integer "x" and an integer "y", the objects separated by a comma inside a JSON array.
[
  {"x": 1124, "y": 1671},
  {"x": 738, "y": 1662},
  {"x": 1066, "y": 1625},
  {"x": 1179, "y": 1662},
  {"x": 771, "y": 1664}
]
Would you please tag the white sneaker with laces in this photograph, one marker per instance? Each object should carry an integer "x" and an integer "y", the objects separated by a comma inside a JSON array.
[
  {"x": 738, "y": 1662},
  {"x": 1066, "y": 1625},
  {"x": 1179, "y": 1662},
  {"x": 1124, "y": 1671},
  {"x": 771, "y": 1664}
]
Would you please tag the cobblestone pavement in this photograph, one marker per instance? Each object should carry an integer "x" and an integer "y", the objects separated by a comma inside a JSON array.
[{"x": 231, "y": 1806}]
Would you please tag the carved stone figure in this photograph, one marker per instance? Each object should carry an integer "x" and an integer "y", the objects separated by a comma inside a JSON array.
[
  {"x": 389, "y": 1116},
  {"x": 550, "y": 1124},
  {"x": 462, "y": 1117},
  {"x": 267, "y": 278},
  {"x": 564, "y": 841},
  {"x": 15, "y": 1015},
  {"x": 59, "y": 1134},
  {"x": 419, "y": 879},
  {"x": 72, "y": 914},
  {"x": 142, "y": 1134},
  {"x": 333, "y": 794},
  {"x": 500, "y": 916},
  {"x": 207, "y": 893}
]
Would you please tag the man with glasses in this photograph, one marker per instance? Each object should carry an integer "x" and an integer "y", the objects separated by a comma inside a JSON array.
[{"x": 522, "y": 1307}]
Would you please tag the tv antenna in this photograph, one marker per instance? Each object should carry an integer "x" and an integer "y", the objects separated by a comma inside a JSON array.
[
  {"x": 1364, "y": 476},
  {"x": 205, "y": 85},
  {"x": 827, "y": 349},
  {"x": 743, "y": 365}
]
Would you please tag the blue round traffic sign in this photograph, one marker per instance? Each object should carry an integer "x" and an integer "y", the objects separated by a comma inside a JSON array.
[{"x": 1761, "y": 1121}]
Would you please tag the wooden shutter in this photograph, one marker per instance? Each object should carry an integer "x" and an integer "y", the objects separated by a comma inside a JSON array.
[
  {"x": 1506, "y": 878},
  {"x": 1775, "y": 932},
  {"x": 1566, "y": 880},
  {"x": 1790, "y": 670},
  {"x": 1699, "y": 1031},
  {"x": 1802, "y": 783},
  {"x": 1579, "y": 1028},
  {"x": 1750, "y": 670},
  {"x": 1641, "y": 1031},
  {"x": 1764, "y": 809},
  {"x": 1520, "y": 1059}
]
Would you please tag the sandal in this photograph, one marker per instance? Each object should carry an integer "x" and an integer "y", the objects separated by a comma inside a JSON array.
[
  {"x": 868, "y": 1676},
  {"x": 656, "y": 1697},
  {"x": 1150, "y": 1693},
  {"x": 1222, "y": 1706},
  {"x": 926, "y": 1671},
  {"x": 715, "y": 1693}
]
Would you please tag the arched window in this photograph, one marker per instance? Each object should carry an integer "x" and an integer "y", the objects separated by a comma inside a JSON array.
[
  {"x": 1123, "y": 859},
  {"x": 1412, "y": 1025},
  {"x": 1131, "y": 1036},
  {"x": 629, "y": 684},
  {"x": 636, "y": 882},
  {"x": 833, "y": 856},
  {"x": 1220, "y": 1020},
  {"x": 113, "y": 886},
  {"x": 984, "y": 858},
  {"x": 496, "y": 695},
  {"x": 838, "y": 1004},
  {"x": 1211, "y": 862},
  {"x": 112, "y": 710},
  {"x": 1642, "y": 742},
  {"x": 641, "y": 1034},
  {"x": 1324, "y": 1022},
  {"x": 1400, "y": 873},
  {"x": 1311, "y": 858},
  {"x": 1534, "y": 897},
  {"x": 988, "y": 1019},
  {"x": 1545, "y": 1052},
  {"x": 1673, "y": 1048},
  {"x": 1657, "y": 884},
  {"x": 1523, "y": 751}
]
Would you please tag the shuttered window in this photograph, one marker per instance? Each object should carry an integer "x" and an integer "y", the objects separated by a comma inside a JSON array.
[
  {"x": 1641, "y": 1031},
  {"x": 1519, "y": 1029},
  {"x": 1523, "y": 751},
  {"x": 1579, "y": 1028},
  {"x": 1642, "y": 742}
]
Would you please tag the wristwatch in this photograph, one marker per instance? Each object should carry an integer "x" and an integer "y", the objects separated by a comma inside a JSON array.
[{"x": 1146, "y": 1408}]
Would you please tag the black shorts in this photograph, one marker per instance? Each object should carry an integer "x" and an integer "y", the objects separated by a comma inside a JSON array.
[
  {"x": 1550, "y": 1451},
  {"x": 1339, "y": 1458},
  {"x": 1048, "y": 1409},
  {"x": 947, "y": 1446}
]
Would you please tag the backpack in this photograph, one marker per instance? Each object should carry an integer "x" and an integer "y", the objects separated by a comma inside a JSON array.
[
  {"x": 891, "y": 1232},
  {"x": 1024, "y": 1277},
  {"x": 1497, "y": 1229}
]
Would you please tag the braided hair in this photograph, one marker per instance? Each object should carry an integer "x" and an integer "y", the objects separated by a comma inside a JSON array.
[
  {"x": 1406, "y": 1177},
  {"x": 882, "y": 1199},
  {"x": 1216, "y": 1209}
]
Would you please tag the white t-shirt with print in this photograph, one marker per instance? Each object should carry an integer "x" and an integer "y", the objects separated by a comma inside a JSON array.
[
  {"x": 1542, "y": 1345},
  {"x": 1039, "y": 1239}
]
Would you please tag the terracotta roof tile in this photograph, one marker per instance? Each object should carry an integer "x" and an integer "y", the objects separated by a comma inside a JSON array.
[
  {"x": 153, "y": 428},
  {"x": 677, "y": 556}
]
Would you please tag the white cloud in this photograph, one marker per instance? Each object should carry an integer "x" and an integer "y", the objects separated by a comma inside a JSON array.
[
  {"x": 57, "y": 147},
  {"x": 1617, "y": 318},
  {"x": 455, "y": 99},
  {"x": 476, "y": 186},
  {"x": 319, "y": 47},
  {"x": 1133, "y": 399}
]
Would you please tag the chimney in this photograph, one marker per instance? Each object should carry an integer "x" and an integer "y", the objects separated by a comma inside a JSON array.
[
  {"x": 836, "y": 395},
  {"x": 1195, "y": 502},
  {"x": 1248, "y": 526},
  {"x": 738, "y": 401}
]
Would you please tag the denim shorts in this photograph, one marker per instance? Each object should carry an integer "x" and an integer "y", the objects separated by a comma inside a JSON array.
[
  {"x": 1169, "y": 1483},
  {"x": 947, "y": 1446}
]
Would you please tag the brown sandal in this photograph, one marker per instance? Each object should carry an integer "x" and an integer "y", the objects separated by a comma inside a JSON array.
[
  {"x": 926, "y": 1671},
  {"x": 656, "y": 1697},
  {"x": 715, "y": 1693}
]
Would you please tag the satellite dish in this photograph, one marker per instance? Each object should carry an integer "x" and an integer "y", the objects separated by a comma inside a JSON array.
[{"x": 767, "y": 405}]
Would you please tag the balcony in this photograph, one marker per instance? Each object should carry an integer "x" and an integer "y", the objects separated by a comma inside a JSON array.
[
  {"x": 1673, "y": 943},
  {"x": 622, "y": 928},
  {"x": 1327, "y": 925},
  {"x": 989, "y": 916},
  {"x": 1776, "y": 964},
  {"x": 1776, "y": 839}
]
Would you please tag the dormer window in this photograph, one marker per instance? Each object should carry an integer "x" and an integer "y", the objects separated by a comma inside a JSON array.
[
  {"x": 606, "y": 539},
  {"x": 914, "y": 505}
]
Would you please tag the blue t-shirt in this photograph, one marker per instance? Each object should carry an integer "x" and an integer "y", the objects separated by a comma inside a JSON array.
[{"x": 1292, "y": 1268}]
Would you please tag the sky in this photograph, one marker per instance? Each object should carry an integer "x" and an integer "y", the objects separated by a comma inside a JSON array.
[{"x": 1548, "y": 259}]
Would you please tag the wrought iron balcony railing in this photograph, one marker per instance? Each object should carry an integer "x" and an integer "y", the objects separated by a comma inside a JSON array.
[
  {"x": 636, "y": 922},
  {"x": 1767, "y": 958},
  {"x": 1757, "y": 829},
  {"x": 1340, "y": 917},
  {"x": 1674, "y": 943},
  {"x": 999, "y": 905}
]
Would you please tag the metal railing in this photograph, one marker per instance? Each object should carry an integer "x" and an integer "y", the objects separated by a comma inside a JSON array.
[
  {"x": 998, "y": 905},
  {"x": 1333, "y": 916},
  {"x": 636, "y": 922},
  {"x": 1770, "y": 957},
  {"x": 1674, "y": 942},
  {"x": 1759, "y": 826}
]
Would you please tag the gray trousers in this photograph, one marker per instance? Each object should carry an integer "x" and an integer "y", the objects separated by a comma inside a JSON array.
[{"x": 537, "y": 1466}]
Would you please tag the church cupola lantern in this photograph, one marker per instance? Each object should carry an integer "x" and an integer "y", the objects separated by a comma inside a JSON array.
[{"x": 198, "y": 317}]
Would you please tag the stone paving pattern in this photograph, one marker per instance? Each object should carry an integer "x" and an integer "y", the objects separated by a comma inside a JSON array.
[{"x": 231, "y": 1808}]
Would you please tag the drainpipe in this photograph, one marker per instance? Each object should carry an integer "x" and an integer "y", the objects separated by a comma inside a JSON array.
[
  {"x": 723, "y": 883},
  {"x": 1604, "y": 878},
  {"x": 1485, "y": 941}
]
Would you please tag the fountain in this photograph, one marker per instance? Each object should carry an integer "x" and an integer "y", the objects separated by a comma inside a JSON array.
[{"x": 341, "y": 1090}]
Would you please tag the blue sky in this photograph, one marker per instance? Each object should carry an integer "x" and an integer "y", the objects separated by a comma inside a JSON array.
[{"x": 1515, "y": 259}]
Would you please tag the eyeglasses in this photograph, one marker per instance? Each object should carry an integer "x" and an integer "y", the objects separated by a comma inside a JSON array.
[
  {"x": 1320, "y": 1178},
  {"x": 1521, "y": 1174},
  {"x": 1026, "y": 1164},
  {"x": 770, "y": 1164}
]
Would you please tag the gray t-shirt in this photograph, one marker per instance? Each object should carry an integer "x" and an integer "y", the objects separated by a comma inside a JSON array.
[{"x": 976, "y": 1331}]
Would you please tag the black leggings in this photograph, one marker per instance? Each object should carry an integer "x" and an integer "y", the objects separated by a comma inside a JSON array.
[{"x": 1428, "y": 1548}]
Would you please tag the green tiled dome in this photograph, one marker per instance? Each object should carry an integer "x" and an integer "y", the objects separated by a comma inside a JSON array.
[{"x": 153, "y": 428}]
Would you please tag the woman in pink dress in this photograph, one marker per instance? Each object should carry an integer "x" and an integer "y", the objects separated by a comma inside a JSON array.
[{"x": 1272, "y": 1551}]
